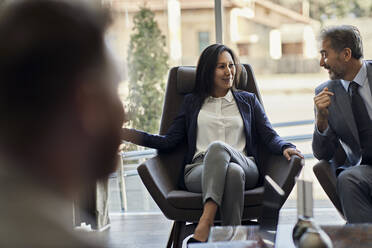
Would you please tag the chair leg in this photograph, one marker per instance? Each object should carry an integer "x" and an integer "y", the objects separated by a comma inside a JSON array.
[
  {"x": 123, "y": 191},
  {"x": 177, "y": 233},
  {"x": 170, "y": 239}
]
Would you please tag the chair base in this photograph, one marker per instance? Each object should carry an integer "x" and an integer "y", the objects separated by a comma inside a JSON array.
[{"x": 181, "y": 230}]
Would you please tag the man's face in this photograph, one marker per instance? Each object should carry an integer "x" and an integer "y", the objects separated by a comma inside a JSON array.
[
  {"x": 331, "y": 61},
  {"x": 106, "y": 129}
]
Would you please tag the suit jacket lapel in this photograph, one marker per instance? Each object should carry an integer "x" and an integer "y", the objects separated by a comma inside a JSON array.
[
  {"x": 369, "y": 75},
  {"x": 242, "y": 108},
  {"x": 195, "y": 110},
  {"x": 344, "y": 106}
]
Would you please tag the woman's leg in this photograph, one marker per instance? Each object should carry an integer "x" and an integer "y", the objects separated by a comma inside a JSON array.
[
  {"x": 206, "y": 220},
  {"x": 216, "y": 163},
  {"x": 237, "y": 180},
  {"x": 232, "y": 204},
  {"x": 193, "y": 174},
  {"x": 213, "y": 173}
]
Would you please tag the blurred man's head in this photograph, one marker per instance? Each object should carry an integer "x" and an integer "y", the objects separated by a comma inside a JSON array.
[
  {"x": 340, "y": 46},
  {"x": 59, "y": 106}
]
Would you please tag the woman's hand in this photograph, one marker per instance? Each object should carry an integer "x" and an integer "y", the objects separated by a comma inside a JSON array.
[{"x": 287, "y": 153}]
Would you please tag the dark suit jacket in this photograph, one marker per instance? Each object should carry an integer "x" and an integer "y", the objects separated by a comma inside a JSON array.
[
  {"x": 256, "y": 128},
  {"x": 342, "y": 126}
]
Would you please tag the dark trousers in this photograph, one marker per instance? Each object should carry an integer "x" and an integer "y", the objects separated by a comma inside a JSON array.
[{"x": 354, "y": 186}]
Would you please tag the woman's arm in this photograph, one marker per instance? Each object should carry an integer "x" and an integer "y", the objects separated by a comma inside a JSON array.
[
  {"x": 175, "y": 134},
  {"x": 268, "y": 135}
]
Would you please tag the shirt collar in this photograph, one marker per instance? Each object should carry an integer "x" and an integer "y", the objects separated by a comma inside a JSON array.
[
  {"x": 228, "y": 97},
  {"x": 360, "y": 77}
]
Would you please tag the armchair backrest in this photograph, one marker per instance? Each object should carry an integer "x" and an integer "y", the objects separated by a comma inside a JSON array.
[{"x": 181, "y": 81}]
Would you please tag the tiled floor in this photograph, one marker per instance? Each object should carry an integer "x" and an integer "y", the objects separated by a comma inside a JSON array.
[
  {"x": 138, "y": 231},
  {"x": 152, "y": 230},
  {"x": 143, "y": 225}
]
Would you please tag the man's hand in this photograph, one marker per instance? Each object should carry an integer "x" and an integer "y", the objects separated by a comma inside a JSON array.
[
  {"x": 322, "y": 101},
  {"x": 287, "y": 153}
]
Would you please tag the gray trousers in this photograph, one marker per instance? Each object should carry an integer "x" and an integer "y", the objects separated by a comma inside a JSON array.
[
  {"x": 222, "y": 175},
  {"x": 354, "y": 186}
]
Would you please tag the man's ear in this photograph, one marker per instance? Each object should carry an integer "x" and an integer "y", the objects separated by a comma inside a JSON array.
[{"x": 347, "y": 53}]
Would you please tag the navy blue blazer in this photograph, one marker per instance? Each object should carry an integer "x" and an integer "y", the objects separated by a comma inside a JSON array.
[{"x": 256, "y": 128}]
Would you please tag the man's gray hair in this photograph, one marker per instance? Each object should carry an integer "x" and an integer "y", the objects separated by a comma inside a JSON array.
[{"x": 344, "y": 36}]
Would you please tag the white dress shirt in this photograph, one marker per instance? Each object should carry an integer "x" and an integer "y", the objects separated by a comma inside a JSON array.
[
  {"x": 219, "y": 119},
  {"x": 364, "y": 90}
]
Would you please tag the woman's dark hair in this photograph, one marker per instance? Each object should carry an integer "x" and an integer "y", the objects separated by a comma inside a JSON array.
[
  {"x": 204, "y": 81},
  {"x": 344, "y": 36}
]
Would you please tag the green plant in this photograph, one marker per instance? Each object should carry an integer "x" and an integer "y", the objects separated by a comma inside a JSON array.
[
  {"x": 327, "y": 9},
  {"x": 147, "y": 64}
]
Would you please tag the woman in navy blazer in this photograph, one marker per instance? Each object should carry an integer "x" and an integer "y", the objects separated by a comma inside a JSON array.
[{"x": 222, "y": 127}]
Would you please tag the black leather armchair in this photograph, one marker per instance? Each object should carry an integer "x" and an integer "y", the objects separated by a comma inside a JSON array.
[
  {"x": 325, "y": 172},
  {"x": 160, "y": 174}
]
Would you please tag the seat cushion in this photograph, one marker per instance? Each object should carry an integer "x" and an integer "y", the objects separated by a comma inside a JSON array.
[{"x": 189, "y": 200}]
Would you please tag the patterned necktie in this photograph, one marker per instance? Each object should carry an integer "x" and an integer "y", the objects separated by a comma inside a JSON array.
[{"x": 363, "y": 122}]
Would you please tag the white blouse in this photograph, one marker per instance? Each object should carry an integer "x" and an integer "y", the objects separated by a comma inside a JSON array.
[{"x": 219, "y": 119}]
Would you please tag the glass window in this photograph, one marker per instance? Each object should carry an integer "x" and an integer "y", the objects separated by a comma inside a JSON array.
[
  {"x": 277, "y": 38},
  {"x": 142, "y": 41},
  {"x": 203, "y": 38}
]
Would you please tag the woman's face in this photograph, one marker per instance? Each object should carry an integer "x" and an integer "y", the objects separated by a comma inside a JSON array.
[{"x": 224, "y": 74}]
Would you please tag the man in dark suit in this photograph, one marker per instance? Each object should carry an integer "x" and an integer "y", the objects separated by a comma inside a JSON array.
[
  {"x": 343, "y": 113},
  {"x": 60, "y": 118}
]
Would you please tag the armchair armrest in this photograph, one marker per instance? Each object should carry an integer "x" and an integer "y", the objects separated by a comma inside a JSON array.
[
  {"x": 284, "y": 172},
  {"x": 327, "y": 179},
  {"x": 160, "y": 177},
  {"x": 156, "y": 178}
]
